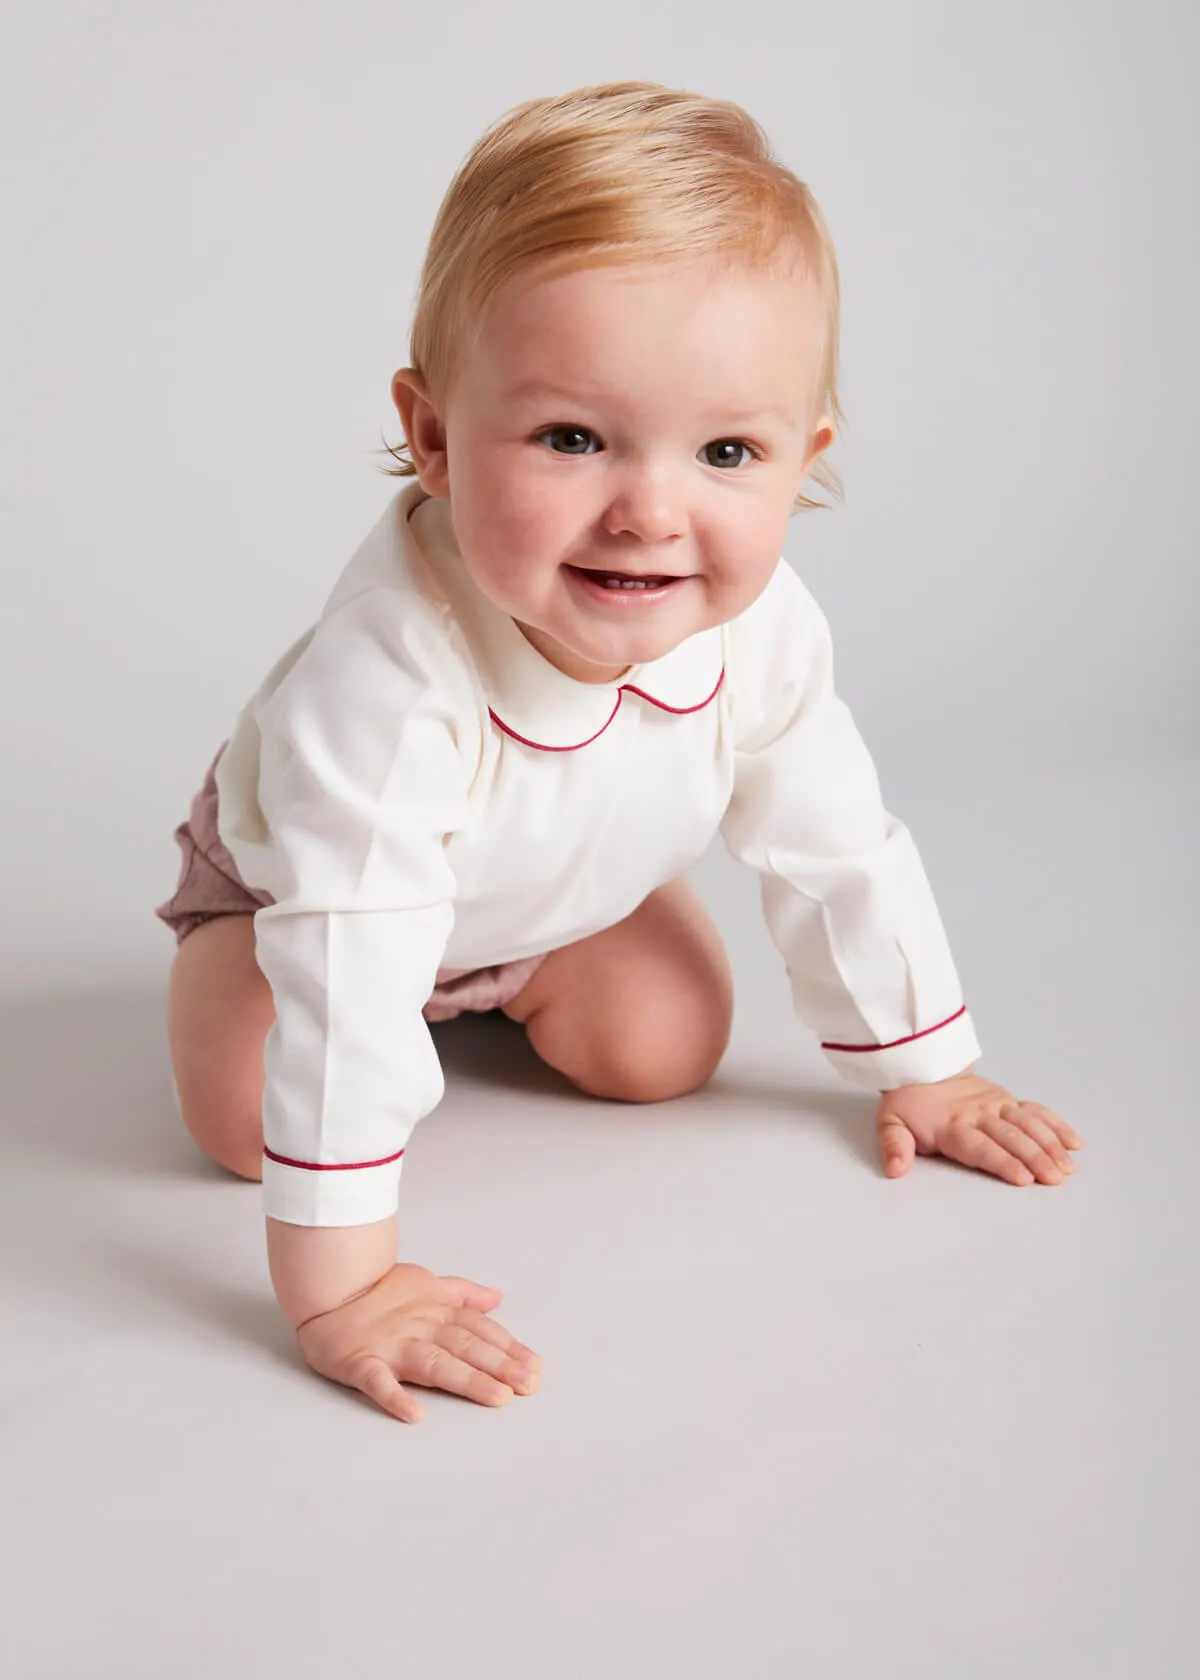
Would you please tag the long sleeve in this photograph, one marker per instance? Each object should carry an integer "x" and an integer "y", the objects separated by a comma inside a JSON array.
[
  {"x": 348, "y": 773},
  {"x": 845, "y": 896}
]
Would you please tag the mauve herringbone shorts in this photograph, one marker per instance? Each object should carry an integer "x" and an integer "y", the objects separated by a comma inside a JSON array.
[{"x": 209, "y": 885}]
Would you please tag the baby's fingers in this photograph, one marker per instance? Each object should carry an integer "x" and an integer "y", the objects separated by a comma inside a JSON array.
[
  {"x": 973, "y": 1148},
  {"x": 1029, "y": 1118},
  {"x": 1012, "y": 1137},
  {"x": 898, "y": 1144},
  {"x": 377, "y": 1381},
  {"x": 464, "y": 1292},
  {"x": 1066, "y": 1134},
  {"x": 490, "y": 1331},
  {"x": 481, "y": 1352},
  {"x": 434, "y": 1366}
]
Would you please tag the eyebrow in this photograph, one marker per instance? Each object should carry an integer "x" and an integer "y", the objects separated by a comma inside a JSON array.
[{"x": 739, "y": 417}]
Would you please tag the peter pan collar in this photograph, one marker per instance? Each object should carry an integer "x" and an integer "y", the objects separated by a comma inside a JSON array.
[{"x": 529, "y": 698}]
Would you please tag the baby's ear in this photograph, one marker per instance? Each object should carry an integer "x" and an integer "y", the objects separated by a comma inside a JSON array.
[
  {"x": 423, "y": 430},
  {"x": 407, "y": 376},
  {"x": 823, "y": 435}
]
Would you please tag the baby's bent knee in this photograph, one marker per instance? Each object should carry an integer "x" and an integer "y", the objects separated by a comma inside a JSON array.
[
  {"x": 657, "y": 1052},
  {"x": 233, "y": 1142},
  {"x": 219, "y": 1012}
]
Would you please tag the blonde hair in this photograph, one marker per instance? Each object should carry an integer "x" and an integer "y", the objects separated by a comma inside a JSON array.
[{"x": 620, "y": 172}]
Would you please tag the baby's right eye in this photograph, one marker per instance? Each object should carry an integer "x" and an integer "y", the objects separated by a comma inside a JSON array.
[{"x": 567, "y": 432}]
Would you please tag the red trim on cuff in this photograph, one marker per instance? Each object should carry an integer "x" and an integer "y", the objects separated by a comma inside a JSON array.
[
  {"x": 858, "y": 1049},
  {"x": 329, "y": 1166}
]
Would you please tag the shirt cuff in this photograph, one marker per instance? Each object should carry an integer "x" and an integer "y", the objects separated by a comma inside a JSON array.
[
  {"x": 937, "y": 1052},
  {"x": 302, "y": 1194}
]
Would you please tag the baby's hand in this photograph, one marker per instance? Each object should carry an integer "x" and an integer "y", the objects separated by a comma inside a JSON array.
[
  {"x": 980, "y": 1124},
  {"x": 425, "y": 1329}
]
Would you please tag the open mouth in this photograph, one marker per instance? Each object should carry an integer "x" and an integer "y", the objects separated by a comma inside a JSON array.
[{"x": 624, "y": 583}]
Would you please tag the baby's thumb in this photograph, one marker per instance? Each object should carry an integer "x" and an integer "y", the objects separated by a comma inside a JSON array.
[{"x": 899, "y": 1145}]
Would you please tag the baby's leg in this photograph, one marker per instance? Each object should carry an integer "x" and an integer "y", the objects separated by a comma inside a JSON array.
[
  {"x": 640, "y": 1011},
  {"x": 219, "y": 1011}
]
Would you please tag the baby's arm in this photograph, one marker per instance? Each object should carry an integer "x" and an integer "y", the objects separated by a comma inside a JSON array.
[
  {"x": 367, "y": 1321},
  {"x": 849, "y": 906},
  {"x": 361, "y": 772}
]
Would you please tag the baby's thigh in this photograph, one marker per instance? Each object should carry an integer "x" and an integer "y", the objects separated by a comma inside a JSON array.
[
  {"x": 640, "y": 1011},
  {"x": 219, "y": 1011}
]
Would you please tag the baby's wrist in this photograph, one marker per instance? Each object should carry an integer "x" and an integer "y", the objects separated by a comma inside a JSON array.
[
  {"x": 927, "y": 1084},
  {"x": 316, "y": 1268}
]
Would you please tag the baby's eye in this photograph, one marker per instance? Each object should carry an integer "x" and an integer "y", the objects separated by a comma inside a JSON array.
[
  {"x": 726, "y": 444},
  {"x": 570, "y": 432}
]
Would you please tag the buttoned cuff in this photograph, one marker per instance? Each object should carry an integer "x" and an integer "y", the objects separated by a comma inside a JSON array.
[
  {"x": 299, "y": 1194},
  {"x": 938, "y": 1052}
]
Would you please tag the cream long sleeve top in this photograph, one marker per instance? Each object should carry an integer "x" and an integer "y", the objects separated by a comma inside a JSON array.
[{"x": 417, "y": 787}]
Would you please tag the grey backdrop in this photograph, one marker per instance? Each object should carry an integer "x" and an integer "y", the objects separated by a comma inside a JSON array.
[{"x": 795, "y": 1418}]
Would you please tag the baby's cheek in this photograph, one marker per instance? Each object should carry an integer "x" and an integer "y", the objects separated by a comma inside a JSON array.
[
  {"x": 513, "y": 564},
  {"x": 741, "y": 579},
  {"x": 517, "y": 538},
  {"x": 492, "y": 529},
  {"x": 514, "y": 526}
]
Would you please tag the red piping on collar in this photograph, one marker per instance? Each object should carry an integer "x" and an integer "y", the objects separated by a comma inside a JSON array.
[
  {"x": 625, "y": 688},
  {"x": 858, "y": 1049}
]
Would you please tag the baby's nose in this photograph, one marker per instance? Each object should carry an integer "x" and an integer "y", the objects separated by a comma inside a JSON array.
[{"x": 649, "y": 506}]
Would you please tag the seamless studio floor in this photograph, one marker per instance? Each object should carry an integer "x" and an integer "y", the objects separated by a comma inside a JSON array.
[{"x": 795, "y": 1419}]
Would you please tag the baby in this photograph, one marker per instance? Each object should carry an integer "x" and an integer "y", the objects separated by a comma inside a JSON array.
[{"x": 565, "y": 658}]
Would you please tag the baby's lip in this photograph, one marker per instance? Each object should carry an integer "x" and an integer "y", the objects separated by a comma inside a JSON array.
[{"x": 617, "y": 571}]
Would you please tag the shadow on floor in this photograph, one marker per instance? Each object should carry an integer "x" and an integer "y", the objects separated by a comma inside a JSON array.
[
  {"x": 89, "y": 1099},
  {"x": 87, "y": 1078}
]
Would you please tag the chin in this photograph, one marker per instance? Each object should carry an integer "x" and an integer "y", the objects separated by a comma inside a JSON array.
[{"x": 636, "y": 651}]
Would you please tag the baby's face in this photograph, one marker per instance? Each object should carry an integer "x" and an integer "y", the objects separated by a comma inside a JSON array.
[{"x": 622, "y": 452}]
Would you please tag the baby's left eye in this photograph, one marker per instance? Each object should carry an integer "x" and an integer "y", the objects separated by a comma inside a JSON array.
[
  {"x": 567, "y": 432},
  {"x": 727, "y": 444}
]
